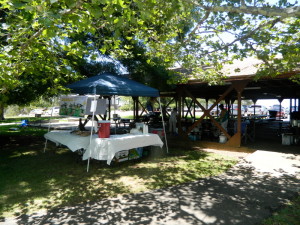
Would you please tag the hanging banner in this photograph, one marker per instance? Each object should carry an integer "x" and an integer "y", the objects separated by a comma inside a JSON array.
[
  {"x": 73, "y": 105},
  {"x": 79, "y": 106}
]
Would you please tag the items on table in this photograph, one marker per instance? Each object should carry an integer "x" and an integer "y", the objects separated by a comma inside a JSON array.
[{"x": 104, "y": 129}]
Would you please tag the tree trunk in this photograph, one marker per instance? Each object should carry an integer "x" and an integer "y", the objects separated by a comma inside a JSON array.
[{"x": 1, "y": 111}]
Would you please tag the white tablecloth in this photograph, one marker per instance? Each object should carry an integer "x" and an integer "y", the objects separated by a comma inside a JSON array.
[
  {"x": 72, "y": 141},
  {"x": 106, "y": 148},
  {"x": 103, "y": 148}
]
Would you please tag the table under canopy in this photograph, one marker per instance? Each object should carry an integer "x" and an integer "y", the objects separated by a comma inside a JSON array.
[{"x": 103, "y": 148}]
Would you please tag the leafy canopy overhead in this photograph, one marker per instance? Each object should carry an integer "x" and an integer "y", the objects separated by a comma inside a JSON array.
[{"x": 38, "y": 37}]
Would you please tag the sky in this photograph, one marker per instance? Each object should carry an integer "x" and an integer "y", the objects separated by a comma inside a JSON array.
[
  {"x": 275, "y": 1},
  {"x": 285, "y": 103}
]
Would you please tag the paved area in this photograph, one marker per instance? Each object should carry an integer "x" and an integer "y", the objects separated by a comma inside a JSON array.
[{"x": 246, "y": 194}]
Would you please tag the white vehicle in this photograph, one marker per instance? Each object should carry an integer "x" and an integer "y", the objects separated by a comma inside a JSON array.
[
  {"x": 280, "y": 113},
  {"x": 258, "y": 110},
  {"x": 36, "y": 111},
  {"x": 53, "y": 111},
  {"x": 214, "y": 111}
]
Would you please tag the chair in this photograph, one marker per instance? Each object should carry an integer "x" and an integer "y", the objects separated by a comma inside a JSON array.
[
  {"x": 116, "y": 118},
  {"x": 244, "y": 132},
  {"x": 248, "y": 132},
  {"x": 125, "y": 121}
]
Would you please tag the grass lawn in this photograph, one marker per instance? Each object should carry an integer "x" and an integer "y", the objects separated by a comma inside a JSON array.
[
  {"x": 32, "y": 119},
  {"x": 17, "y": 131},
  {"x": 289, "y": 215},
  {"x": 31, "y": 180}
]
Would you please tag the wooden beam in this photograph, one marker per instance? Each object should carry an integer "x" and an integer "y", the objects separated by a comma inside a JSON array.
[
  {"x": 234, "y": 141},
  {"x": 207, "y": 112},
  {"x": 173, "y": 99},
  {"x": 189, "y": 106},
  {"x": 143, "y": 108},
  {"x": 135, "y": 108}
]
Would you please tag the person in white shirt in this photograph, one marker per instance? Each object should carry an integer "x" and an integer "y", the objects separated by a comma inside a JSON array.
[{"x": 173, "y": 121}]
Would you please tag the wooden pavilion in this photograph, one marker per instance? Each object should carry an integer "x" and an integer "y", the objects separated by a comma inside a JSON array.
[{"x": 237, "y": 86}]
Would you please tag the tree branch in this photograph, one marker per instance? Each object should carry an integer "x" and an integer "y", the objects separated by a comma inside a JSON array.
[
  {"x": 270, "y": 67},
  {"x": 264, "y": 11},
  {"x": 197, "y": 26},
  {"x": 244, "y": 37}
]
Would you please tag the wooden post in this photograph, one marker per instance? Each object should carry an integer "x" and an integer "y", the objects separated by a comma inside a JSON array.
[
  {"x": 180, "y": 131},
  {"x": 194, "y": 113},
  {"x": 236, "y": 139},
  {"x": 135, "y": 108}
]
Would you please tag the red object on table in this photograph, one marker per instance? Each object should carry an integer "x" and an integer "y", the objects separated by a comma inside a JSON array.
[
  {"x": 159, "y": 132},
  {"x": 104, "y": 129}
]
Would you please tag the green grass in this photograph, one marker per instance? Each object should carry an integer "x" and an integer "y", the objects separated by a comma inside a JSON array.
[
  {"x": 31, "y": 180},
  {"x": 128, "y": 117},
  {"x": 16, "y": 130},
  {"x": 289, "y": 215},
  {"x": 32, "y": 119}
]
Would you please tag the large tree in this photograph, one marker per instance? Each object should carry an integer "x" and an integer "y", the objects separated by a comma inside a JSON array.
[
  {"x": 226, "y": 30},
  {"x": 39, "y": 37}
]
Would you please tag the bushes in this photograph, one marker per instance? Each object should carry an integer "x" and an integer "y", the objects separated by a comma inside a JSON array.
[{"x": 15, "y": 110}]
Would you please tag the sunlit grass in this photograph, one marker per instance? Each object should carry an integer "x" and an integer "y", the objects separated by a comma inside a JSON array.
[
  {"x": 289, "y": 215},
  {"x": 31, "y": 180}
]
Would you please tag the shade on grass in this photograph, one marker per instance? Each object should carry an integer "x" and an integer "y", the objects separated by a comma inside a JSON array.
[{"x": 31, "y": 180}]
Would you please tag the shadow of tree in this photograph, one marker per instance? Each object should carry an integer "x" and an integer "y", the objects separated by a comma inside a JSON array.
[
  {"x": 242, "y": 195},
  {"x": 56, "y": 178},
  {"x": 28, "y": 173}
]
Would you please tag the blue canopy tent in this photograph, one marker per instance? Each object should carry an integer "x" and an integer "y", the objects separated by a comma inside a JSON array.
[{"x": 110, "y": 84}]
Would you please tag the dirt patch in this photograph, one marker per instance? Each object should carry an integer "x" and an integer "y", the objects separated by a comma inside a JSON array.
[
  {"x": 215, "y": 147},
  {"x": 231, "y": 154}
]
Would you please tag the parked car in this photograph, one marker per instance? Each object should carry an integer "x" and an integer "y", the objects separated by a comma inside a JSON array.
[
  {"x": 245, "y": 108},
  {"x": 214, "y": 111},
  {"x": 292, "y": 108},
  {"x": 257, "y": 110},
  {"x": 280, "y": 113},
  {"x": 198, "y": 109},
  {"x": 234, "y": 110}
]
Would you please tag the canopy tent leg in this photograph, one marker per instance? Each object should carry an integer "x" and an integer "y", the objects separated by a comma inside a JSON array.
[
  {"x": 49, "y": 126},
  {"x": 93, "y": 109}
]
